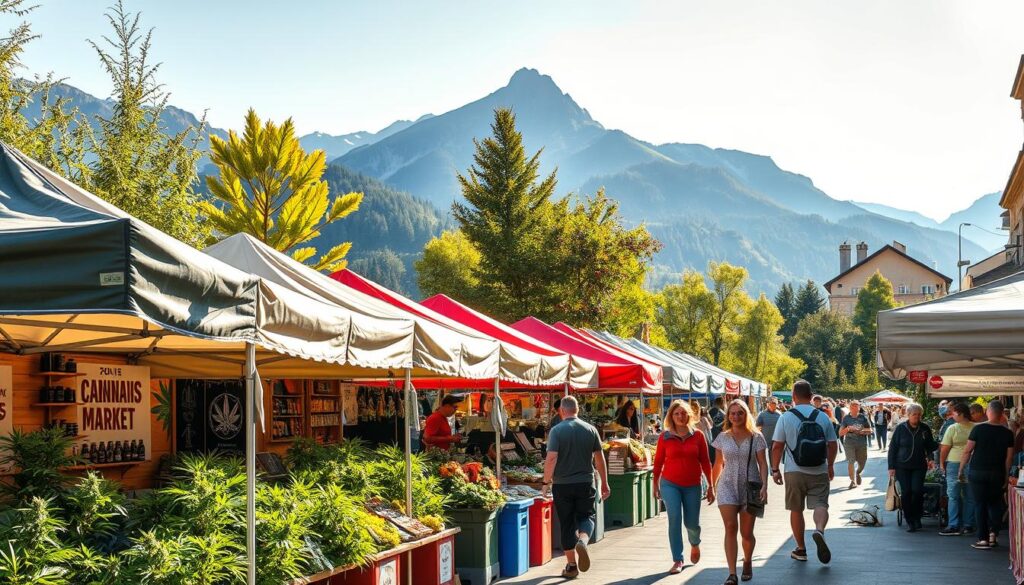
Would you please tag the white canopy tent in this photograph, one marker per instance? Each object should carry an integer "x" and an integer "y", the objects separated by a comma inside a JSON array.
[
  {"x": 77, "y": 274},
  {"x": 964, "y": 344},
  {"x": 886, "y": 397}
]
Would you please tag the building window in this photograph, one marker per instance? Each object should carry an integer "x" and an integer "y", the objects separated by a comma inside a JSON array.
[
  {"x": 903, "y": 290},
  {"x": 854, "y": 290},
  {"x": 927, "y": 289}
]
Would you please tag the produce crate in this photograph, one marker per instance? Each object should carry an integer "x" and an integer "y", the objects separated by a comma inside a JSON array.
[
  {"x": 476, "y": 547},
  {"x": 540, "y": 532},
  {"x": 624, "y": 506},
  {"x": 514, "y": 537}
]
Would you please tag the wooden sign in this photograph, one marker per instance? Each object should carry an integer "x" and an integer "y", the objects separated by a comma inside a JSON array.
[
  {"x": 114, "y": 403},
  {"x": 405, "y": 524},
  {"x": 6, "y": 402}
]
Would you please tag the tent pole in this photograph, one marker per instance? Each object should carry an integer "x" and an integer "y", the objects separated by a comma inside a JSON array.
[
  {"x": 409, "y": 410},
  {"x": 497, "y": 432},
  {"x": 250, "y": 463}
]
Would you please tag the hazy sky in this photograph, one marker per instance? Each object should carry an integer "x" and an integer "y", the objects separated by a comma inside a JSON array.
[{"x": 900, "y": 102}]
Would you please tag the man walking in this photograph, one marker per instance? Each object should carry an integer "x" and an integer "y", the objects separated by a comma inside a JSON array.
[
  {"x": 767, "y": 419},
  {"x": 574, "y": 452},
  {"x": 881, "y": 420},
  {"x": 855, "y": 429},
  {"x": 807, "y": 434}
]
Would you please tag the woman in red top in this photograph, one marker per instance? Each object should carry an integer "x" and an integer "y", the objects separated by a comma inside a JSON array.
[{"x": 681, "y": 458}]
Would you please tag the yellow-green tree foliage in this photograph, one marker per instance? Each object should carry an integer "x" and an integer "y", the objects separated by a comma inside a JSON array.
[
  {"x": 271, "y": 189},
  {"x": 876, "y": 295},
  {"x": 758, "y": 352},
  {"x": 684, "y": 313},
  {"x": 448, "y": 266}
]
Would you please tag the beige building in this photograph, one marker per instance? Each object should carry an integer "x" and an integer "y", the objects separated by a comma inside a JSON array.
[
  {"x": 912, "y": 281},
  {"x": 1011, "y": 259}
]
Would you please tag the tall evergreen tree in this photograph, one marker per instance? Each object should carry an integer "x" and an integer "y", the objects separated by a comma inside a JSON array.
[
  {"x": 138, "y": 166},
  {"x": 270, "y": 188},
  {"x": 785, "y": 301},
  {"x": 809, "y": 300},
  {"x": 506, "y": 216}
]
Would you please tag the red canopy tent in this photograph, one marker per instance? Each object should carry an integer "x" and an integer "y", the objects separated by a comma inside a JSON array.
[
  {"x": 614, "y": 371},
  {"x": 601, "y": 344},
  {"x": 583, "y": 372},
  {"x": 553, "y": 368}
]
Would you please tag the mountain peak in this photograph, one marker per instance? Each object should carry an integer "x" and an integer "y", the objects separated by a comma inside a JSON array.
[{"x": 532, "y": 79}]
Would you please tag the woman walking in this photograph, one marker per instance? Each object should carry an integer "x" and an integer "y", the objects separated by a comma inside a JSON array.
[
  {"x": 910, "y": 448},
  {"x": 740, "y": 464},
  {"x": 680, "y": 461}
]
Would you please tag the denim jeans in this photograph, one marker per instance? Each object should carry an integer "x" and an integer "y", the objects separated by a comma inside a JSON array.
[
  {"x": 682, "y": 504},
  {"x": 961, "y": 501},
  {"x": 882, "y": 434}
]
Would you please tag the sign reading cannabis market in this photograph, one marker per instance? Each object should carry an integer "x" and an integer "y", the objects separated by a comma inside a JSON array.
[{"x": 114, "y": 404}]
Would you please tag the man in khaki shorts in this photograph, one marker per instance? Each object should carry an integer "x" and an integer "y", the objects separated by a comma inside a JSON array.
[{"x": 808, "y": 436}]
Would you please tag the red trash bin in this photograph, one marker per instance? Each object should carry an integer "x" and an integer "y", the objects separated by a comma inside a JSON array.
[
  {"x": 540, "y": 531},
  {"x": 434, "y": 562},
  {"x": 386, "y": 571}
]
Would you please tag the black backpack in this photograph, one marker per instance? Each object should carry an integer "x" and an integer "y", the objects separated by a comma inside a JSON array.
[{"x": 811, "y": 449}]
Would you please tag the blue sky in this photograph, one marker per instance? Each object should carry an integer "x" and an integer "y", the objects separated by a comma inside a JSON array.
[{"x": 904, "y": 103}]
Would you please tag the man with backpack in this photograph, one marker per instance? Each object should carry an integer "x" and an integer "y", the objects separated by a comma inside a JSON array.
[{"x": 808, "y": 436}]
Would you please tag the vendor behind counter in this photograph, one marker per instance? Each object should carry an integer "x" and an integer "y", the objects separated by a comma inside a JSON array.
[{"x": 437, "y": 431}]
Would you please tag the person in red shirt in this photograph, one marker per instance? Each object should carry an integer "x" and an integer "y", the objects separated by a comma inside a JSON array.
[
  {"x": 437, "y": 433},
  {"x": 681, "y": 458}
]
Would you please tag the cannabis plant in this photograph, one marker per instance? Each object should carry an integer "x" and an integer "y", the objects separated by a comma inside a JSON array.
[{"x": 37, "y": 458}]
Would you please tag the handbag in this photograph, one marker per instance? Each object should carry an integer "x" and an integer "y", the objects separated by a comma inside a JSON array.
[
  {"x": 892, "y": 496},
  {"x": 754, "y": 503}
]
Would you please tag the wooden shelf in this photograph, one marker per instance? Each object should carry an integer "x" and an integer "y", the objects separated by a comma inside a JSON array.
[
  {"x": 61, "y": 374},
  {"x": 285, "y": 439},
  {"x": 286, "y": 415},
  {"x": 58, "y": 404},
  {"x": 102, "y": 465}
]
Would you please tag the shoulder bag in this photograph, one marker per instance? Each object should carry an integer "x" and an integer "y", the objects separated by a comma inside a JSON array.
[
  {"x": 892, "y": 496},
  {"x": 754, "y": 503}
]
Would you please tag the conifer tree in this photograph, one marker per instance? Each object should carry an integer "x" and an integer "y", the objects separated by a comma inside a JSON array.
[
  {"x": 785, "y": 301},
  {"x": 809, "y": 301},
  {"x": 138, "y": 166},
  {"x": 506, "y": 216},
  {"x": 270, "y": 188}
]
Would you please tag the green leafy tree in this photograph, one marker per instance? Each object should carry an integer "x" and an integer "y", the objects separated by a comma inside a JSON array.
[
  {"x": 634, "y": 313},
  {"x": 758, "y": 352},
  {"x": 137, "y": 165},
  {"x": 826, "y": 341},
  {"x": 383, "y": 267},
  {"x": 56, "y": 138},
  {"x": 785, "y": 300},
  {"x": 684, "y": 313},
  {"x": 876, "y": 295},
  {"x": 449, "y": 265},
  {"x": 270, "y": 188},
  {"x": 808, "y": 301},
  {"x": 506, "y": 216},
  {"x": 730, "y": 301},
  {"x": 596, "y": 258}
]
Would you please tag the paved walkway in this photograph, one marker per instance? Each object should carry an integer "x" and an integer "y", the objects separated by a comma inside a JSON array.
[{"x": 885, "y": 555}]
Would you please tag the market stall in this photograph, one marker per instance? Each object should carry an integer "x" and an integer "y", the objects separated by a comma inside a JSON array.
[
  {"x": 967, "y": 344},
  {"x": 131, "y": 310}
]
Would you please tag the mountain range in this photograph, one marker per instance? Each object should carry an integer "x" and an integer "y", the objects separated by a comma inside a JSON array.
[
  {"x": 703, "y": 203},
  {"x": 982, "y": 215}
]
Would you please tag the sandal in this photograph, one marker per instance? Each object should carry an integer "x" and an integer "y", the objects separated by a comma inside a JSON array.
[
  {"x": 993, "y": 542},
  {"x": 982, "y": 545},
  {"x": 732, "y": 580},
  {"x": 748, "y": 570}
]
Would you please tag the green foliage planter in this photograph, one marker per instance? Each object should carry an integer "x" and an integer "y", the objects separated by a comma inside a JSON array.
[
  {"x": 625, "y": 504},
  {"x": 476, "y": 547}
]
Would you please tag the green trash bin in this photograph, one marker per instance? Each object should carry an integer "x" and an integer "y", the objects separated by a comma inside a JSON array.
[
  {"x": 653, "y": 504},
  {"x": 476, "y": 546},
  {"x": 624, "y": 506}
]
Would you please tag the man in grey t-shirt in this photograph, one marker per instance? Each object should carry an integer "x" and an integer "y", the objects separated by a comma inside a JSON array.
[
  {"x": 767, "y": 419},
  {"x": 854, "y": 429},
  {"x": 574, "y": 453}
]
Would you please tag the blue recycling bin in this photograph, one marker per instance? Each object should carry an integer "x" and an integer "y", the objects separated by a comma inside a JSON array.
[{"x": 514, "y": 538}]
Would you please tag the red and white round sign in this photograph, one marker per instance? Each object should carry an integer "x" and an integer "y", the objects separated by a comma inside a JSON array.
[
  {"x": 935, "y": 382},
  {"x": 918, "y": 376}
]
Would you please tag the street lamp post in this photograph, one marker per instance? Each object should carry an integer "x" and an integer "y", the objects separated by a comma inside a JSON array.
[{"x": 960, "y": 263}]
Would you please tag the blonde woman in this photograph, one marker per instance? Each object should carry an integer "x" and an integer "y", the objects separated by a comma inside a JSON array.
[
  {"x": 740, "y": 457},
  {"x": 679, "y": 462}
]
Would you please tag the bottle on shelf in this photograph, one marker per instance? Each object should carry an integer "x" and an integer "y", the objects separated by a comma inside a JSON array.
[
  {"x": 101, "y": 453},
  {"x": 110, "y": 452},
  {"x": 69, "y": 394},
  {"x": 56, "y": 363},
  {"x": 142, "y": 451},
  {"x": 71, "y": 366}
]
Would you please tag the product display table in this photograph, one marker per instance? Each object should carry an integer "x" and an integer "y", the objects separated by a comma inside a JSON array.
[{"x": 1016, "y": 498}]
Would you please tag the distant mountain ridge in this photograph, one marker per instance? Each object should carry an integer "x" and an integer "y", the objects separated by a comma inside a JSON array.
[
  {"x": 705, "y": 204},
  {"x": 983, "y": 214}
]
